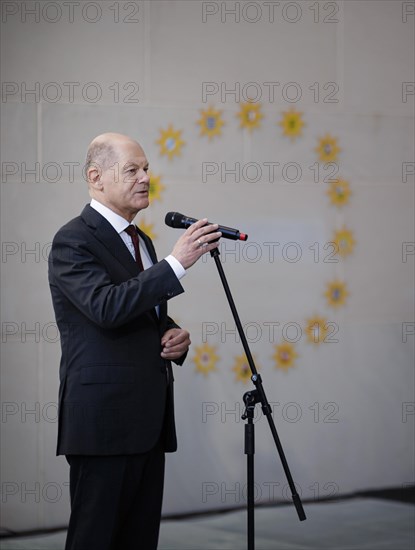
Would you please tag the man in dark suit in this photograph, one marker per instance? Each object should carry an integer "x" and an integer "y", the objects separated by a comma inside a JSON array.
[{"x": 110, "y": 294}]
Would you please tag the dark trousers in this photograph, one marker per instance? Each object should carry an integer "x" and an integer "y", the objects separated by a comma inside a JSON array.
[{"x": 116, "y": 501}]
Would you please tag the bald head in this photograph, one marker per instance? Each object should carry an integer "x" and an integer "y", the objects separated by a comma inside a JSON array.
[{"x": 103, "y": 151}]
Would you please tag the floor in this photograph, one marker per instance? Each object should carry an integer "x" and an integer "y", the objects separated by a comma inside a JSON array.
[{"x": 361, "y": 523}]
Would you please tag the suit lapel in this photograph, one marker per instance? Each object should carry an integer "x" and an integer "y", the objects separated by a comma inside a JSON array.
[
  {"x": 112, "y": 241},
  {"x": 149, "y": 245},
  {"x": 109, "y": 238}
]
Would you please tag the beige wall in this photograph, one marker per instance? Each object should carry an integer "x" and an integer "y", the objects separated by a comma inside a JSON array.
[{"x": 345, "y": 412}]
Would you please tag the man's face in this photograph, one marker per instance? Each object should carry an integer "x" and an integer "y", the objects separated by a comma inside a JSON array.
[{"x": 125, "y": 184}]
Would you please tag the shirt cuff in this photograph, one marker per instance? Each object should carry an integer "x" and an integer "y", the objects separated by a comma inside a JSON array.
[{"x": 176, "y": 266}]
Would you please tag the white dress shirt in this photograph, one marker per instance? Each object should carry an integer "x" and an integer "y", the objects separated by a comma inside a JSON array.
[{"x": 120, "y": 224}]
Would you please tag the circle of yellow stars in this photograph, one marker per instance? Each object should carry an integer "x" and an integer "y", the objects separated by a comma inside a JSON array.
[{"x": 339, "y": 192}]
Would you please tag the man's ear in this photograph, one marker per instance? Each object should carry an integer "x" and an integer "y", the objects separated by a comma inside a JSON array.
[{"x": 94, "y": 177}]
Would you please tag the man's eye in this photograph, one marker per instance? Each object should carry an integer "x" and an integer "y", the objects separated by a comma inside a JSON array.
[{"x": 132, "y": 170}]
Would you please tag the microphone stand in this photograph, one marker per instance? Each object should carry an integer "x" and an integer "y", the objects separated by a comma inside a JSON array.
[{"x": 250, "y": 400}]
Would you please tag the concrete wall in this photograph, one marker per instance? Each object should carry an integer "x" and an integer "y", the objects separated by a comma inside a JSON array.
[{"x": 345, "y": 410}]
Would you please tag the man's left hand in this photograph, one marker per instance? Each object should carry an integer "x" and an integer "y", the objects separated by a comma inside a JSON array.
[{"x": 175, "y": 342}]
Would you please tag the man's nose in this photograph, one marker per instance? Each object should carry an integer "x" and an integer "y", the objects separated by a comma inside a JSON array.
[{"x": 144, "y": 177}]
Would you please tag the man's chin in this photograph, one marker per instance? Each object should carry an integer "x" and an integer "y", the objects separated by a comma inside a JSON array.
[{"x": 142, "y": 204}]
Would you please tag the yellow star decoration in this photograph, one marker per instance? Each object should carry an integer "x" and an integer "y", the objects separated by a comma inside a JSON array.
[
  {"x": 170, "y": 142},
  {"x": 250, "y": 115},
  {"x": 327, "y": 149},
  {"x": 156, "y": 187},
  {"x": 210, "y": 122},
  {"x": 316, "y": 329},
  {"x": 339, "y": 192},
  {"x": 284, "y": 356},
  {"x": 292, "y": 123},
  {"x": 147, "y": 228},
  {"x": 242, "y": 369},
  {"x": 205, "y": 359},
  {"x": 336, "y": 293},
  {"x": 345, "y": 241}
]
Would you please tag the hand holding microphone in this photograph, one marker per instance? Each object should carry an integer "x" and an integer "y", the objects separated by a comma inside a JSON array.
[
  {"x": 178, "y": 221},
  {"x": 199, "y": 238}
]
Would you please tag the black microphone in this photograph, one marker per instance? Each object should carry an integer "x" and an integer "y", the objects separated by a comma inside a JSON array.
[{"x": 180, "y": 221}]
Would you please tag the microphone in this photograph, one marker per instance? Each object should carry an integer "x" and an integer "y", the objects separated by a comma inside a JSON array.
[{"x": 180, "y": 221}]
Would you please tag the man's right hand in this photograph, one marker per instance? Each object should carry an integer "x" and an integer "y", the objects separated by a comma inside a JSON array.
[{"x": 196, "y": 241}]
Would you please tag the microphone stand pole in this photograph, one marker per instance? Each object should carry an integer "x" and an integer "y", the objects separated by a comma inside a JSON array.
[{"x": 250, "y": 399}]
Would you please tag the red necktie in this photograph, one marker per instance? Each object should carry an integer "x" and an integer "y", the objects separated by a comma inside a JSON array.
[{"x": 132, "y": 231}]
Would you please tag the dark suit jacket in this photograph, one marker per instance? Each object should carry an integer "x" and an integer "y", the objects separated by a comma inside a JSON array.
[{"x": 115, "y": 388}]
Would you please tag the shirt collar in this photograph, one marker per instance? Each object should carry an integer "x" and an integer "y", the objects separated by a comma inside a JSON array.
[{"x": 118, "y": 222}]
